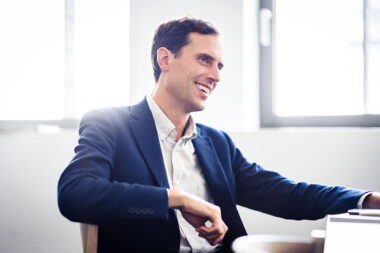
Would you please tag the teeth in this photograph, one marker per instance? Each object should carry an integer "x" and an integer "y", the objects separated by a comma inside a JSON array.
[{"x": 203, "y": 88}]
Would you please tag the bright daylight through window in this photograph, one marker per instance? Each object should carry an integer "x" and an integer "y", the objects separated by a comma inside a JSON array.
[
  {"x": 32, "y": 59},
  {"x": 325, "y": 59},
  {"x": 61, "y": 59}
]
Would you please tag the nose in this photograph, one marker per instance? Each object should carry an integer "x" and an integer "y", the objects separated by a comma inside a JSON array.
[{"x": 214, "y": 75}]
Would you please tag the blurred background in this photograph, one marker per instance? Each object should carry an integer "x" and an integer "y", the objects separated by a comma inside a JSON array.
[{"x": 299, "y": 94}]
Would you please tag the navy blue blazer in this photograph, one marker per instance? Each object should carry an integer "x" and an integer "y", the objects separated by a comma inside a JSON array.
[{"x": 117, "y": 180}]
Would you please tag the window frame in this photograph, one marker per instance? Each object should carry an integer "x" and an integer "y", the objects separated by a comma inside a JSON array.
[
  {"x": 62, "y": 123},
  {"x": 268, "y": 119}
]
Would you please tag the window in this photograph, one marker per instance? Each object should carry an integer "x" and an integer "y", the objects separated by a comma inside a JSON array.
[
  {"x": 318, "y": 63},
  {"x": 60, "y": 60},
  {"x": 32, "y": 60}
]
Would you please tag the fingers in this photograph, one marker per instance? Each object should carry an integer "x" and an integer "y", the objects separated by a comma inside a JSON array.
[
  {"x": 209, "y": 235},
  {"x": 216, "y": 241},
  {"x": 216, "y": 228},
  {"x": 212, "y": 239},
  {"x": 213, "y": 234}
]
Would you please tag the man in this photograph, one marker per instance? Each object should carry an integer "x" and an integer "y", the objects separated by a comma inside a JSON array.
[{"x": 154, "y": 181}]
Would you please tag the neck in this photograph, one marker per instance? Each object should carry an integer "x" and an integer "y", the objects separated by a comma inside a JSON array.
[{"x": 172, "y": 110}]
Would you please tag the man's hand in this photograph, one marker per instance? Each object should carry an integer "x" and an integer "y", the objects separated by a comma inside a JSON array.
[
  {"x": 197, "y": 212},
  {"x": 372, "y": 201}
]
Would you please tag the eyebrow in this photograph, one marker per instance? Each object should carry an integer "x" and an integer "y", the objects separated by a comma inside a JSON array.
[{"x": 220, "y": 65}]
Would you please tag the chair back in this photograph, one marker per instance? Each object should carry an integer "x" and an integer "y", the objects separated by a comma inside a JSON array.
[{"x": 89, "y": 235}]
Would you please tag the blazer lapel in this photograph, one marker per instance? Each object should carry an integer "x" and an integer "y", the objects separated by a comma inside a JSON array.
[
  {"x": 212, "y": 170},
  {"x": 218, "y": 185},
  {"x": 146, "y": 137}
]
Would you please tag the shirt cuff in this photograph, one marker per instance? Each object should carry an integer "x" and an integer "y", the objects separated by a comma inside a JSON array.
[{"x": 361, "y": 200}]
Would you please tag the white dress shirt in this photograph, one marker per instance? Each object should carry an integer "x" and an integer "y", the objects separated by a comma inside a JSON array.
[{"x": 183, "y": 172}]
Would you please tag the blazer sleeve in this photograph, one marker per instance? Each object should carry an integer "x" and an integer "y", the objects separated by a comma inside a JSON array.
[
  {"x": 270, "y": 192},
  {"x": 85, "y": 191}
]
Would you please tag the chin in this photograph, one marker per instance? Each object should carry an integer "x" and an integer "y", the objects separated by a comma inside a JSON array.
[
  {"x": 197, "y": 108},
  {"x": 200, "y": 107}
]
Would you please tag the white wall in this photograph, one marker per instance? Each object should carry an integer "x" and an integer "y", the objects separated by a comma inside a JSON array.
[
  {"x": 31, "y": 164},
  {"x": 32, "y": 161}
]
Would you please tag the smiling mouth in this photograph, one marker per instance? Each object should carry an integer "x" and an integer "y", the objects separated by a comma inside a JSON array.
[{"x": 203, "y": 88}]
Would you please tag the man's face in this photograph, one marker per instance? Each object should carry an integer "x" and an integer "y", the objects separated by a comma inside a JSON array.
[{"x": 194, "y": 72}]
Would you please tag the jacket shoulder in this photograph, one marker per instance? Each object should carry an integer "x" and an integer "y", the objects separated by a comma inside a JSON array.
[
  {"x": 207, "y": 131},
  {"x": 108, "y": 112},
  {"x": 116, "y": 114}
]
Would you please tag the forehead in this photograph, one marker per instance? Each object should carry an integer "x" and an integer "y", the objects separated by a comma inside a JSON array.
[{"x": 204, "y": 44}]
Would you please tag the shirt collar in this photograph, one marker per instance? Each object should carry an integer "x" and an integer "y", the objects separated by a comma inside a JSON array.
[
  {"x": 191, "y": 130},
  {"x": 165, "y": 128}
]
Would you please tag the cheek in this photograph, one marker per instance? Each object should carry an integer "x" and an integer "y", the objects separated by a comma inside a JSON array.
[{"x": 199, "y": 72}]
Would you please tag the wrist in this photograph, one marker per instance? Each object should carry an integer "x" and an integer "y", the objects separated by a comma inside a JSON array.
[{"x": 175, "y": 198}]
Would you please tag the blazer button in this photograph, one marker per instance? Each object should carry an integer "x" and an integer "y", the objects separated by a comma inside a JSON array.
[
  {"x": 131, "y": 210},
  {"x": 144, "y": 210},
  {"x": 150, "y": 211}
]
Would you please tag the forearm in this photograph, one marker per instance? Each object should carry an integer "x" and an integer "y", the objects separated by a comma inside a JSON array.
[
  {"x": 302, "y": 200},
  {"x": 183, "y": 201}
]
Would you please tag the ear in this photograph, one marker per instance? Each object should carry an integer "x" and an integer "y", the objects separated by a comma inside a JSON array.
[{"x": 163, "y": 55}]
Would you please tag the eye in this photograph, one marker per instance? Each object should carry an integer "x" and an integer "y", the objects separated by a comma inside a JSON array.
[{"x": 204, "y": 59}]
